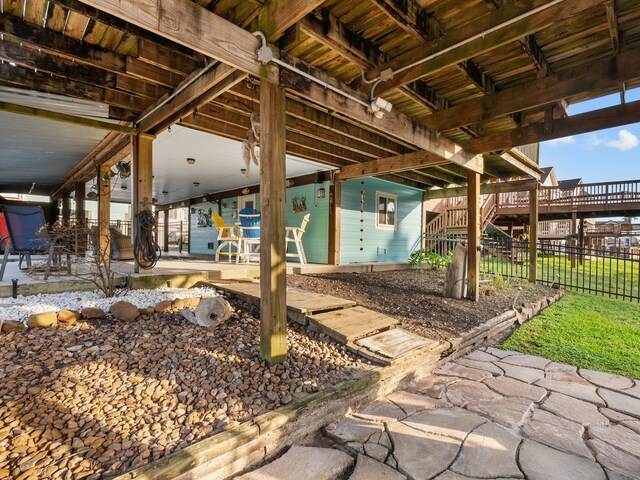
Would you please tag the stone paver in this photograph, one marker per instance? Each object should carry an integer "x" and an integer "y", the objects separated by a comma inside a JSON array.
[
  {"x": 540, "y": 462},
  {"x": 573, "y": 409},
  {"x": 510, "y": 387},
  {"x": 421, "y": 455},
  {"x": 581, "y": 392},
  {"x": 492, "y": 414},
  {"x": 368, "y": 469},
  {"x": 511, "y": 412},
  {"x": 551, "y": 430},
  {"x": 524, "y": 374},
  {"x": 621, "y": 402},
  {"x": 488, "y": 452},
  {"x": 304, "y": 462},
  {"x": 606, "y": 380}
]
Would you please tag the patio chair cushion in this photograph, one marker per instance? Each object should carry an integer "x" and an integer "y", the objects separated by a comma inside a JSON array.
[{"x": 24, "y": 223}]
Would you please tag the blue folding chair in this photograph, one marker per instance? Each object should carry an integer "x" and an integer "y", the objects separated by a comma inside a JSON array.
[
  {"x": 250, "y": 232},
  {"x": 24, "y": 224}
]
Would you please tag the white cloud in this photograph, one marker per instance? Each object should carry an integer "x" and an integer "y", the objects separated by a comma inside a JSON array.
[
  {"x": 594, "y": 141},
  {"x": 626, "y": 141},
  {"x": 559, "y": 141}
]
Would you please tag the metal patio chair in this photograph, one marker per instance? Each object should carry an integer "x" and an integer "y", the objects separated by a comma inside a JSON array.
[{"x": 25, "y": 238}]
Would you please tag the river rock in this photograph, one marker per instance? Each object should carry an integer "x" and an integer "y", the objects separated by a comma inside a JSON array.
[
  {"x": 45, "y": 319},
  {"x": 9, "y": 326},
  {"x": 180, "y": 303},
  {"x": 92, "y": 312},
  {"x": 163, "y": 306},
  {"x": 68, "y": 316},
  {"x": 124, "y": 311}
]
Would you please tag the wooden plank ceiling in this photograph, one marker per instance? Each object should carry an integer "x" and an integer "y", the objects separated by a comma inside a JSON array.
[{"x": 494, "y": 72}]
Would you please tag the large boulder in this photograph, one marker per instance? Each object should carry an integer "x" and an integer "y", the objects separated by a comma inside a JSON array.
[
  {"x": 211, "y": 312},
  {"x": 125, "y": 311},
  {"x": 44, "y": 319}
]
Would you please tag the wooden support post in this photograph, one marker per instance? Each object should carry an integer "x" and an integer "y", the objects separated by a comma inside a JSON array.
[
  {"x": 574, "y": 226},
  {"x": 423, "y": 225},
  {"x": 142, "y": 170},
  {"x": 533, "y": 234},
  {"x": 104, "y": 215},
  {"x": 473, "y": 235},
  {"x": 66, "y": 209},
  {"x": 581, "y": 239},
  {"x": 273, "y": 267},
  {"x": 81, "y": 218},
  {"x": 165, "y": 233},
  {"x": 335, "y": 219}
]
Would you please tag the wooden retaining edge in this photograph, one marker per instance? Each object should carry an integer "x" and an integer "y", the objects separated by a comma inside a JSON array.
[{"x": 229, "y": 453}]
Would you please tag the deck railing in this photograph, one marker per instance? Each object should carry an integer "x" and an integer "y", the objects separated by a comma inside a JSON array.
[{"x": 602, "y": 194}]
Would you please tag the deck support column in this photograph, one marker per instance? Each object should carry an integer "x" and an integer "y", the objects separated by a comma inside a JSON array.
[
  {"x": 165, "y": 232},
  {"x": 104, "y": 216},
  {"x": 335, "y": 219},
  {"x": 574, "y": 233},
  {"x": 273, "y": 267},
  {"x": 533, "y": 234},
  {"x": 81, "y": 218},
  {"x": 473, "y": 235},
  {"x": 142, "y": 171},
  {"x": 66, "y": 208}
]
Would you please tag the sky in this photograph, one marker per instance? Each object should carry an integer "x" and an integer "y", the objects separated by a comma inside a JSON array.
[{"x": 602, "y": 156}]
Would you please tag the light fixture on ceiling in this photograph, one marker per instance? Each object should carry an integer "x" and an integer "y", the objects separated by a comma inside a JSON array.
[
  {"x": 243, "y": 171},
  {"x": 191, "y": 160},
  {"x": 196, "y": 184},
  {"x": 246, "y": 191},
  {"x": 164, "y": 192},
  {"x": 379, "y": 106},
  {"x": 123, "y": 187}
]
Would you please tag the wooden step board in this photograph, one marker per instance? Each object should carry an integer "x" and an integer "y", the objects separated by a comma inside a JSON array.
[
  {"x": 300, "y": 303},
  {"x": 351, "y": 324},
  {"x": 395, "y": 343}
]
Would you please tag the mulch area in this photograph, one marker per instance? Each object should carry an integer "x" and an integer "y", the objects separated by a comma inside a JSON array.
[{"x": 414, "y": 296}]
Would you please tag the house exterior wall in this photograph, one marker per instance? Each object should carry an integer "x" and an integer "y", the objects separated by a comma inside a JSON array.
[
  {"x": 378, "y": 244},
  {"x": 316, "y": 237}
]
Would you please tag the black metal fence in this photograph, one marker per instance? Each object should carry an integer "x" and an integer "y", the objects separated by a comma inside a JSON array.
[{"x": 612, "y": 271}]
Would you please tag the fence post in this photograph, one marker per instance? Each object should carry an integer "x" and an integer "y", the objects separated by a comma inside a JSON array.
[{"x": 533, "y": 234}]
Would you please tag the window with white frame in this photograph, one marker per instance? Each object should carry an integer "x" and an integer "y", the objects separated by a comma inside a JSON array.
[{"x": 386, "y": 208}]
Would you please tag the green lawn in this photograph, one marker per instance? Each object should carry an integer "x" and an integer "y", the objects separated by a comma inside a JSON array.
[{"x": 587, "y": 331}]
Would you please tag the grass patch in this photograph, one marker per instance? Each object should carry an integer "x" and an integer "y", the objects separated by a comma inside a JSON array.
[{"x": 587, "y": 331}]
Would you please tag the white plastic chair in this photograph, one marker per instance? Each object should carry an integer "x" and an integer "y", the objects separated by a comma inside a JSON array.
[{"x": 294, "y": 235}]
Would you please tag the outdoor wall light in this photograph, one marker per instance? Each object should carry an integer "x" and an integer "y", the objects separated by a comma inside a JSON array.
[
  {"x": 234, "y": 205},
  {"x": 123, "y": 187},
  {"x": 243, "y": 171},
  {"x": 191, "y": 160},
  {"x": 321, "y": 192},
  {"x": 379, "y": 106},
  {"x": 196, "y": 184},
  {"x": 164, "y": 192}
]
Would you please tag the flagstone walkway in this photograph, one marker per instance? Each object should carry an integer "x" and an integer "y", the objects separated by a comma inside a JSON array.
[{"x": 491, "y": 414}]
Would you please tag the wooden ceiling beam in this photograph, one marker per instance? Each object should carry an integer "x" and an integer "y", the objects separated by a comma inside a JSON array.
[
  {"x": 598, "y": 76},
  {"x": 49, "y": 42},
  {"x": 563, "y": 127},
  {"x": 533, "y": 51},
  {"x": 398, "y": 163},
  {"x": 410, "y": 17},
  {"x": 612, "y": 20},
  {"x": 488, "y": 32},
  {"x": 276, "y": 16},
  {"x": 149, "y": 44}
]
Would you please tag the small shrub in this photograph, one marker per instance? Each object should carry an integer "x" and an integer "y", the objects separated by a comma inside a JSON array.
[{"x": 432, "y": 259}]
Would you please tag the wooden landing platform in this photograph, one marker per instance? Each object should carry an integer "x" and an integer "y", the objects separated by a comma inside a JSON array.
[
  {"x": 300, "y": 303},
  {"x": 351, "y": 324}
]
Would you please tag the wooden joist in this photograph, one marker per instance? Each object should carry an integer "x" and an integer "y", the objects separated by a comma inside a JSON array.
[
  {"x": 598, "y": 76},
  {"x": 485, "y": 188},
  {"x": 486, "y": 33},
  {"x": 395, "y": 164},
  {"x": 563, "y": 127}
]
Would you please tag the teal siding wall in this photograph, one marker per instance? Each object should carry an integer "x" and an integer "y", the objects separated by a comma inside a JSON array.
[
  {"x": 316, "y": 237},
  {"x": 202, "y": 230},
  {"x": 372, "y": 244}
]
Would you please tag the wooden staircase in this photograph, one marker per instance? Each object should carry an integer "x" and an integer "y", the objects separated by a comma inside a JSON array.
[{"x": 453, "y": 218}]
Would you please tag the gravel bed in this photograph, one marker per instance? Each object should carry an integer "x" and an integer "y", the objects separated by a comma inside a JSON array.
[{"x": 96, "y": 399}]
